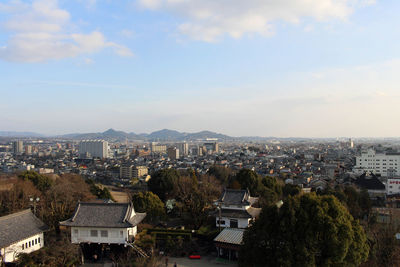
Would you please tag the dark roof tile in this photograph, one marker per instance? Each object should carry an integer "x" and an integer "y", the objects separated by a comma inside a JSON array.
[{"x": 18, "y": 226}]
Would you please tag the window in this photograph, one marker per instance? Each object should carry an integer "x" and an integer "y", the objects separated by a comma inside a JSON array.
[
  {"x": 76, "y": 232},
  {"x": 84, "y": 233},
  {"x": 220, "y": 221},
  {"x": 36, "y": 241},
  {"x": 93, "y": 233},
  {"x": 39, "y": 240},
  {"x": 23, "y": 245},
  {"x": 114, "y": 233},
  {"x": 233, "y": 223},
  {"x": 104, "y": 233},
  {"x": 26, "y": 245},
  {"x": 121, "y": 234},
  {"x": 29, "y": 243}
]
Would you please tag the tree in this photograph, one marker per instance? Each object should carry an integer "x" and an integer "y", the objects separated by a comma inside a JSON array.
[
  {"x": 197, "y": 197},
  {"x": 149, "y": 203},
  {"x": 221, "y": 173},
  {"x": 248, "y": 179},
  {"x": 308, "y": 230},
  {"x": 162, "y": 183},
  {"x": 41, "y": 182}
]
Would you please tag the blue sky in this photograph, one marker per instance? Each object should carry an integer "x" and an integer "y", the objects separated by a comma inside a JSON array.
[{"x": 320, "y": 68}]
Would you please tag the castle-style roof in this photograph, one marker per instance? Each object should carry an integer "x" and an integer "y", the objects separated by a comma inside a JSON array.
[
  {"x": 236, "y": 197},
  {"x": 107, "y": 215}
]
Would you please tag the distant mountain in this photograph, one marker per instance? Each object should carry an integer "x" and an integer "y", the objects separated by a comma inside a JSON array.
[
  {"x": 208, "y": 134},
  {"x": 162, "y": 135},
  {"x": 19, "y": 134},
  {"x": 166, "y": 135},
  {"x": 110, "y": 134}
]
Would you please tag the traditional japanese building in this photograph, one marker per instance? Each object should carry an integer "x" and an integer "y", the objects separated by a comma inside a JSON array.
[
  {"x": 235, "y": 209},
  {"x": 20, "y": 232},
  {"x": 228, "y": 243},
  {"x": 104, "y": 223}
]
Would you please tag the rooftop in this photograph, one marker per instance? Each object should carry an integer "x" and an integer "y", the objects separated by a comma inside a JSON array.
[
  {"x": 19, "y": 226},
  {"x": 230, "y": 236},
  {"x": 110, "y": 215}
]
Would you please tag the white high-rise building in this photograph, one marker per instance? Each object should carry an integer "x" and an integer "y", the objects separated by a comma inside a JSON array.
[
  {"x": 94, "y": 148},
  {"x": 383, "y": 163}
]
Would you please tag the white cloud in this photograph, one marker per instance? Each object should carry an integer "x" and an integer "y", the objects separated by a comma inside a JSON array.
[
  {"x": 41, "y": 32},
  {"x": 208, "y": 20}
]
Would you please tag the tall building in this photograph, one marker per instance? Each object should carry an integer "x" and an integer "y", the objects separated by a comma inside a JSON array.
[
  {"x": 197, "y": 151},
  {"x": 212, "y": 147},
  {"x": 351, "y": 143},
  {"x": 18, "y": 147},
  {"x": 93, "y": 148},
  {"x": 173, "y": 153},
  {"x": 385, "y": 163},
  {"x": 28, "y": 150},
  {"x": 125, "y": 172},
  {"x": 183, "y": 149}
]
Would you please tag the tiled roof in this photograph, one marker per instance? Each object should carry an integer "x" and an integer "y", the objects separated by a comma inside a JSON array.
[
  {"x": 230, "y": 236},
  {"x": 370, "y": 183},
  {"x": 110, "y": 215},
  {"x": 19, "y": 226},
  {"x": 235, "y": 197}
]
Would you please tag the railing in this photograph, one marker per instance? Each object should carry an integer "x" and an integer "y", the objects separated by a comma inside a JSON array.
[{"x": 138, "y": 250}]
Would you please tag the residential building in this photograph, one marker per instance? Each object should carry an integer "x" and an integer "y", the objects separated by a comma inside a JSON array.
[
  {"x": 125, "y": 172},
  {"x": 20, "y": 232},
  {"x": 157, "y": 148},
  {"x": 376, "y": 189},
  {"x": 28, "y": 150},
  {"x": 93, "y": 149},
  {"x": 173, "y": 153},
  {"x": 139, "y": 171},
  {"x": 104, "y": 223}
]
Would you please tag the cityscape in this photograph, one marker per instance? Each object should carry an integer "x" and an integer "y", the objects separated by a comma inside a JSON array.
[{"x": 199, "y": 133}]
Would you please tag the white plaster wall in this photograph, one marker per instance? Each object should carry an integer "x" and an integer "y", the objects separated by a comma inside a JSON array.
[
  {"x": 82, "y": 235},
  {"x": 242, "y": 223},
  {"x": 11, "y": 252}
]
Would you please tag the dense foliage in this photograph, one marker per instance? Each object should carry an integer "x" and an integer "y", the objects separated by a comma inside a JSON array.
[
  {"x": 308, "y": 230},
  {"x": 149, "y": 203},
  {"x": 162, "y": 183}
]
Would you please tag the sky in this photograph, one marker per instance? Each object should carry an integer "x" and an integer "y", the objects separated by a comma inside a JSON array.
[{"x": 284, "y": 68}]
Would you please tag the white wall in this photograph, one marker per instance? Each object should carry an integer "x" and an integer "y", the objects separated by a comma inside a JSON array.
[
  {"x": 242, "y": 223},
  {"x": 114, "y": 235},
  {"x": 11, "y": 252},
  {"x": 378, "y": 163}
]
